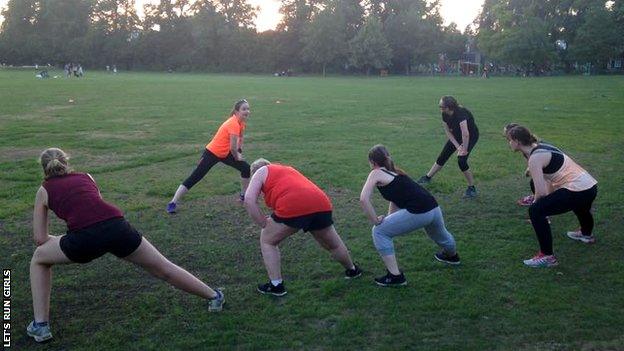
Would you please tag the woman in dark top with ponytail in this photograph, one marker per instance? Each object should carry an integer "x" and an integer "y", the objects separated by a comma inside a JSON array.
[
  {"x": 94, "y": 227},
  {"x": 410, "y": 207},
  {"x": 462, "y": 134}
]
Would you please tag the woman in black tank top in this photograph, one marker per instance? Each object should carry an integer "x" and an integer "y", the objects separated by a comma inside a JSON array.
[{"x": 411, "y": 207}]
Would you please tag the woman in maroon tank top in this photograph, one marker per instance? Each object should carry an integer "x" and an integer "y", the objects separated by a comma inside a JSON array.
[{"x": 95, "y": 227}]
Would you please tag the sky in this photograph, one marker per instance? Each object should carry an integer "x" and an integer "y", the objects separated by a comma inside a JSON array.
[{"x": 462, "y": 12}]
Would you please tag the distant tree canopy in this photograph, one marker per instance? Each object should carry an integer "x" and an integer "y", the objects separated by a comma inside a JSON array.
[
  {"x": 345, "y": 36},
  {"x": 551, "y": 32}
]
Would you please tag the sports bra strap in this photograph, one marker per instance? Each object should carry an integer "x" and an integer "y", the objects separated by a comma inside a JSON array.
[
  {"x": 541, "y": 148},
  {"x": 388, "y": 172}
]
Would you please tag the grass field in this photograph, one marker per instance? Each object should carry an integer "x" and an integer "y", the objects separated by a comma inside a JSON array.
[{"x": 141, "y": 134}]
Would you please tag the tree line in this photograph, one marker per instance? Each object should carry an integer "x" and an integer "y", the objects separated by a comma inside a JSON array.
[{"x": 343, "y": 36}]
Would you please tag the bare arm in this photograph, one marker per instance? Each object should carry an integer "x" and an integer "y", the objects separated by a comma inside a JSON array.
[
  {"x": 234, "y": 148},
  {"x": 252, "y": 194},
  {"x": 40, "y": 217},
  {"x": 465, "y": 138},
  {"x": 450, "y": 136},
  {"x": 365, "y": 195},
  {"x": 536, "y": 163}
]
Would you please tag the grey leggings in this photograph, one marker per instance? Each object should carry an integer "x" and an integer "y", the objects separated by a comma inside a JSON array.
[{"x": 403, "y": 222}]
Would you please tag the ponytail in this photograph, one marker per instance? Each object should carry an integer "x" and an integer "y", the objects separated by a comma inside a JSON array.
[
  {"x": 380, "y": 156},
  {"x": 54, "y": 163},
  {"x": 522, "y": 135},
  {"x": 237, "y": 106}
]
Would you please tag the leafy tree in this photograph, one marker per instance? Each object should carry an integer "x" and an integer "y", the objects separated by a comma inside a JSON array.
[
  {"x": 18, "y": 39},
  {"x": 596, "y": 40},
  {"x": 297, "y": 14},
  {"x": 413, "y": 28},
  {"x": 370, "y": 48},
  {"x": 324, "y": 38}
]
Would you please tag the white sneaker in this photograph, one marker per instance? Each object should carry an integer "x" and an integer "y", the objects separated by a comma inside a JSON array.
[
  {"x": 577, "y": 235},
  {"x": 541, "y": 260}
]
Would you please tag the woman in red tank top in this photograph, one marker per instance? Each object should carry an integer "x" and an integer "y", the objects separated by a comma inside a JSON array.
[
  {"x": 297, "y": 203},
  {"x": 95, "y": 227}
]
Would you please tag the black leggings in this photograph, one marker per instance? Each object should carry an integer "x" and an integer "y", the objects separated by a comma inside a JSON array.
[
  {"x": 557, "y": 202},
  {"x": 449, "y": 149},
  {"x": 208, "y": 160}
]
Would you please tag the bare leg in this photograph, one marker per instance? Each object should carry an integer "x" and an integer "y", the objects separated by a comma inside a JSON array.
[
  {"x": 270, "y": 237},
  {"x": 391, "y": 264},
  {"x": 434, "y": 169},
  {"x": 43, "y": 258},
  {"x": 179, "y": 193},
  {"x": 329, "y": 239},
  {"x": 469, "y": 177},
  {"x": 148, "y": 257}
]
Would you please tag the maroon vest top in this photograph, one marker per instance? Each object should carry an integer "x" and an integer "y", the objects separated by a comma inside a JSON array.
[{"x": 75, "y": 198}]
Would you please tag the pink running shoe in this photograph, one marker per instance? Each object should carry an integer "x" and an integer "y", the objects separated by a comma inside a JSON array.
[
  {"x": 526, "y": 201},
  {"x": 577, "y": 235},
  {"x": 541, "y": 260}
]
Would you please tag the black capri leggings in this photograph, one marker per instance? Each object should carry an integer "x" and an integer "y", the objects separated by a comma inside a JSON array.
[
  {"x": 208, "y": 160},
  {"x": 449, "y": 149},
  {"x": 561, "y": 201}
]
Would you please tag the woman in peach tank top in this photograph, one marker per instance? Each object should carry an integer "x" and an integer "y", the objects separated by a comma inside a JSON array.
[{"x": 561, "y": 185}]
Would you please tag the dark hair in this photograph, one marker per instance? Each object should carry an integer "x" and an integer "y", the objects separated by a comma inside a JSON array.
[
  {"x": 508, "y": 127},
  {"x": 449, "y": 102},
  {"x": 238, "y": 105},
  {"x": 522, "y": 135},
  {"x": 54, "y": 163},
  {"x": 380, "y": 156}
]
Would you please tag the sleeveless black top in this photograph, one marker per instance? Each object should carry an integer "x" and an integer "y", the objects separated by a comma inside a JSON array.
[
  {"x": 556, "y": 157},
  {"x": 407, "y": 194}
]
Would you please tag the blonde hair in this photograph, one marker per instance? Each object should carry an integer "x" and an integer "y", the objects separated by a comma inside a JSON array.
[
  {"x": 259, "y": 163},
  {"x": 54, "y": 163}
]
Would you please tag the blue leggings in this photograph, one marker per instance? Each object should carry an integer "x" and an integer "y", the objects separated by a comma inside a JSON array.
[{"x": 403, "y": 222}]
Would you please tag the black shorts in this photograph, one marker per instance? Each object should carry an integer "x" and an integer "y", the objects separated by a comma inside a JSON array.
[
  {"x": 313, "y": 221},
  {"x": 114, "y": 235}
]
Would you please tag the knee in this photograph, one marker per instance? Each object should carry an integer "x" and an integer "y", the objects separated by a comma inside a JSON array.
[
  {"x": 245, "y": 170},
  {"x": 462, "y": 161},
  {"x": 37, "y": 256},
  {"x": 535, "y": 210}
]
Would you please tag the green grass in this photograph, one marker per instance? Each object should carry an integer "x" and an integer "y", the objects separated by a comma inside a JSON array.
[{"x": 141, "y": 134}]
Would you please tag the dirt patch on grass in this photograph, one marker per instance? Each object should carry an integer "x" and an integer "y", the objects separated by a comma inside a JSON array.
[
  {"x": 45, "y": 114},
  {"x": 130, "y": 135},
  {"x": 11, "y": 154}
]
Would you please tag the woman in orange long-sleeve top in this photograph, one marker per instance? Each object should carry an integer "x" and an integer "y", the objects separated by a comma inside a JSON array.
[
  {"x": 227, "y": 147},
  {"x": 297, "y": 203}
]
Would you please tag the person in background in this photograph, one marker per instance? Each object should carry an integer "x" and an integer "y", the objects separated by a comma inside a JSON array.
[{"x": 462, "y": 134}]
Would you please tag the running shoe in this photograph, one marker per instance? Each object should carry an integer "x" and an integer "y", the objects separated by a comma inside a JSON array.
[
  {"x": 391, "y": 280},
  {"x": 171, "y": 207},
  {"x": 241, "y": 197},
  {"x": 353, "y": 273},
  {"x": 424, "y": 180},
  {"x": 270, "y": 289},
  {"x": 41, "y": 333},
  {"x": 216, "y": 304},
  {"x": 578, "y": 235},
  {"x": 526, "y": 201},
  {"x": 541, "y": 260},
  {"x": 471, "y": 192},
  {"x": 443, "y": 257}
]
